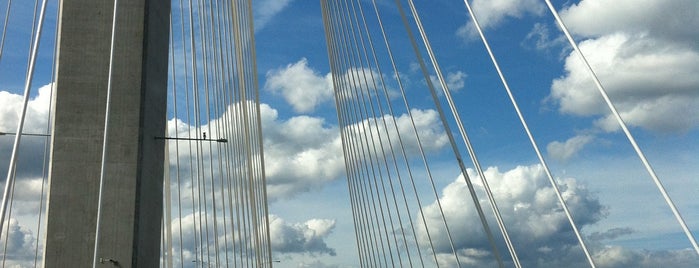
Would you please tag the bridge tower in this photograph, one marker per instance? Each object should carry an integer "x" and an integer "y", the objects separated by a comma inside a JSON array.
[{"x": 132, "y": 199}]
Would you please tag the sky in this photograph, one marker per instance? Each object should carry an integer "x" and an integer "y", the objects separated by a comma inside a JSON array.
[{"x": 645, "y": 53}]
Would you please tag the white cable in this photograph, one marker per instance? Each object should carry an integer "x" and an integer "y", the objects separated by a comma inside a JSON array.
[
  {"x": 12, "y": 191},
  {"x": 167, "y": 206},
  {"x": 176, "y": 133},
  {"x": 402, "y": 147},
  {"x": 391, "y": 149},
  {"x": 449, "y": 134},
  {"x": 4, "y": 28},
  {"x": 95, "y": 257},
  {"x": 529, "y": 134},
  {"x": 47, "y": 147},
  {"x": 467, "y": 142}
]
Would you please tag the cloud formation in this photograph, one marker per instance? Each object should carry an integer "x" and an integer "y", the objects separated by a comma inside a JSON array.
[
  {"x": 37, "y": 111},
  {"x": 491, "y": 14},
  {"x": 647, "y": 63},
  {"x": 36, "y": 122},
  {"x": 530, "y": 210},
  {"x": 390, "y": 131},
  {"x": 536, "y": 223},
  {"x": 301, "y": 153},
  {"x": 307, "y": 237},
  {"x": 619, "y": 257},
  {"x": 675, "y": 20},
  {"x": 645, "y": 55},
  {"x": 542, "y": 38},
  {"x": 300, "y": 86},
  {"x": 21, "y": 245},
  {"x": 565, "y": 150},
  {"x": 265, "y": 10},
  {"x": 455, "y": 81},
  {"x": 652, "y": 83},
  {"x": 304, "y": 152}
]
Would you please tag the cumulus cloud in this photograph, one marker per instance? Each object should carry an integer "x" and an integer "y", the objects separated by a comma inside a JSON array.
[
  {"x": 307, "y": 237},
  {"x": 37, "y": 111},
  {"x": 565, "y": 150},
  {"x": 675, "y": 20},
  {"x": 530, "y": 210},
  {"x": 28, "y": 184},
  {"x": 645, "y": 54},
  {"x": 610, "y": 234},
  {"x": 301, "y": 153},
  {"x": 455, "y": 81},
  {"x": 291, "y": 240},
  {"x": 652, "y": 83},
  {"x": 302, "y": 87},
  {"x": 491, "y": 14},
  {"x": 619, "y": 257},
  {"x": 315, "y": 264},
  {"x": 355, "y": 82},
  {"x": 305, "y": 89},
  {"x": 386, "y": 130},
  {"x": 536, "y": 224},
  {"x": 265, "y": 10},
  {"x": 541, "y": 38},
  {"x": 36, "y": 122},
  {"x": 21, "y": 244}
]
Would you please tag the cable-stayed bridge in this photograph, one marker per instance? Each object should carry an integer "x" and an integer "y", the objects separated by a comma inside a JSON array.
[{"x": 153, "y": 139}]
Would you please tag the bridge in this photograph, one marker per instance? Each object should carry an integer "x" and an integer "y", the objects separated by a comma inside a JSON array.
[{"x": 153, "y": 131}]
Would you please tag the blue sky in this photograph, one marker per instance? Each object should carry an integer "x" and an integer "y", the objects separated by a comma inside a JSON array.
[{"x": 645, "y": 53}]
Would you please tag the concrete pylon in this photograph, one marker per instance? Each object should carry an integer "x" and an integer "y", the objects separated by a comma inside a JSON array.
[{"x": 132, "y": 200}]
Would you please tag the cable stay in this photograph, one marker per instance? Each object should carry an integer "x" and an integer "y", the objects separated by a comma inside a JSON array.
[
  {"x": 361, "y": 119},
  {"x": 469, "y": 146}
]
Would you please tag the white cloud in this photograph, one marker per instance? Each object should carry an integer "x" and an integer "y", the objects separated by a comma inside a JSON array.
[
  {"x": 315, "y": 264},
  {"x": 455, "y": 81},
  {"x": 265, "y": 10},
  {"x": 491, "y": 14},
  {"x": 535, "y": 222},
  {"x": 357, "y": 82},
  {"x": 374, "y": 132},
  {"x": 610, "y": 234},
  {"x": 429, "y": 129},
  {"x": 305, "y": 89},
  {"x": 301, "y": 86},
  {"x": 307, "y": 237},
  {"x": 301, "y": 153},
  {"x": 615, "y": 256},
  {"x": 541, "y": 38},
  {"x": 21, "y": 244},
  {"x": 529, "y": 209},
  {"x": 37, "y": 111},
  {"x": 676, "y": 20},
  {"x": 36, "y": 122},
  {"x": 304, "y": 152},
  {"x": 645, "y": 54},
  {"x": 569, "y": 148},
  {"x": 653, "y": 83}
]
